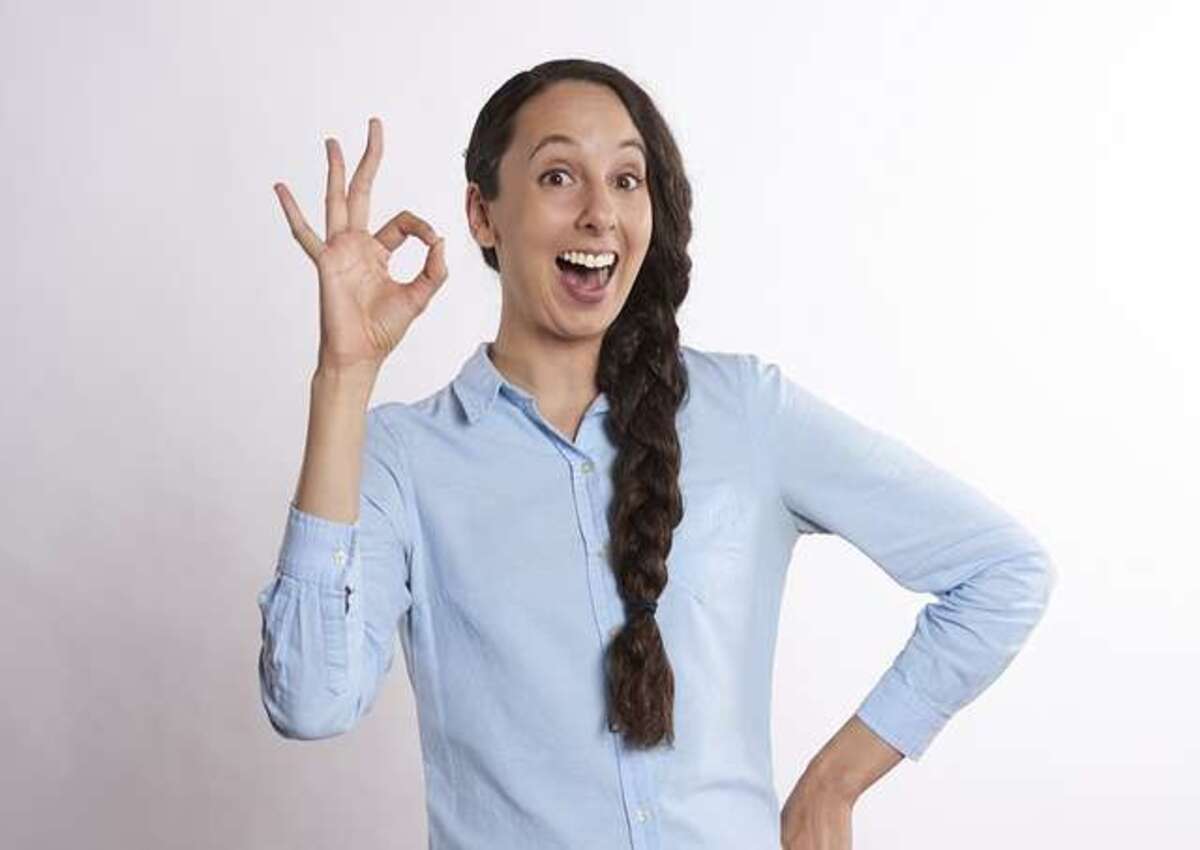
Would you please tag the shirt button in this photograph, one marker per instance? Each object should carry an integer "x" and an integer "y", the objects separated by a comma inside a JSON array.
[
  {"x": 587, "y": 466},
  {"x": 339, "y": 557},
  {"x": 642, "y": 815}
]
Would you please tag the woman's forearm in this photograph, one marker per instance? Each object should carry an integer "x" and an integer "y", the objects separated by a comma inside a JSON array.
[
  {"x": 331, "y": 473},
  {"x": 852, "y": 760}
]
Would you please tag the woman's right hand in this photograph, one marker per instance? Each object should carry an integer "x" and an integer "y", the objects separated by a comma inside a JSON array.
[{"x": 364, "y": 312}]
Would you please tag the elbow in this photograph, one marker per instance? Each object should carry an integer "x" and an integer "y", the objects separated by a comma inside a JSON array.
[
  {"x": 1028, "y": 583},
  {"x": 1016, "y": 588},
  {"x": 298, "y": 722},
  {"x": 301, "y": 715},
  {"x": 301, "y": 729},
  {"x": 1032, "y": 573},
  {"x": 1046, "y": 578}
]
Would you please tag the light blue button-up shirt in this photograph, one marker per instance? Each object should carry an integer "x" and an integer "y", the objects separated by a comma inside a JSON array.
[{"x": 481, "y": 542}]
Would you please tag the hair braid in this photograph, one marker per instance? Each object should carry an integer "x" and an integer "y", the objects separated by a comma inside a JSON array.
[{"x": 642, "y": 373}]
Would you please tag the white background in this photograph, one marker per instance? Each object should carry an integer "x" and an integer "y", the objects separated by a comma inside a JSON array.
[{"x": 970, "y": 224}]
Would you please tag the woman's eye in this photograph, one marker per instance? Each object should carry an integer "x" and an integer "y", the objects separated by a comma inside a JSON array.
[{"x": 636, "y": 178}]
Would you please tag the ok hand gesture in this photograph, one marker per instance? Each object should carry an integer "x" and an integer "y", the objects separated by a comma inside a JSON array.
[{"x": 364, "y": 312}]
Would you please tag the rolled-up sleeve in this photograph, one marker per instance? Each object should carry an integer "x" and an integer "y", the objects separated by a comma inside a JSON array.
[
  {"x": 340, "y": 591},
  {"x": 928, "y": 530}
]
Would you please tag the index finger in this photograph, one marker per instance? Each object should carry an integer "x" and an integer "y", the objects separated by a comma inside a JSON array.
[
  {"x": 401, "y": 226},
  {"x": 359, "y": 199}
]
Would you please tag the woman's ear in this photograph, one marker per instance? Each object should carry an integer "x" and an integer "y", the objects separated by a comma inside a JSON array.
[{"x": 477, "y": 217}]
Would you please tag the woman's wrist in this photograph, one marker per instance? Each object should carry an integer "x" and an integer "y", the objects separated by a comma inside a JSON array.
[{"x": 339, "y": 383}]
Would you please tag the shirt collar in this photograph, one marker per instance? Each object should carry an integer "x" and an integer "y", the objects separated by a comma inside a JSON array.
[{"x": 479, "y": 382}]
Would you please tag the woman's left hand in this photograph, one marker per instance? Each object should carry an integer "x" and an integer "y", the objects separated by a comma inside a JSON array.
[{"x": 816, "y": 818}]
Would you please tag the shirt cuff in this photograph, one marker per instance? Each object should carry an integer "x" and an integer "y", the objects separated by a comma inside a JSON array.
[
  {"x": 899, "y": 715},
  {"x": 316, "y": 549}
]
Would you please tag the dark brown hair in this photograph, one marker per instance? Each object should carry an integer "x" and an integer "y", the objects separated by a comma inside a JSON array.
[{"x": 642, "y": 372}]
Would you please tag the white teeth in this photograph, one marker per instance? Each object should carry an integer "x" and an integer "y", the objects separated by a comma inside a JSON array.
[{"x": 593, "y": 261}]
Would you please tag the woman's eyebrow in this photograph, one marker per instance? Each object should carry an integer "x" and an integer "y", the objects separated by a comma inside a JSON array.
[{"x": 567, "y": 140}]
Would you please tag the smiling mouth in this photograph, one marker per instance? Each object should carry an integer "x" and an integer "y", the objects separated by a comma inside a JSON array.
[{"x": 586, "y": 277}]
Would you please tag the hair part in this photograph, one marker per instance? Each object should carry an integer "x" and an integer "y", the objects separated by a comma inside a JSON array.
[{"x": 641, "y": 370}]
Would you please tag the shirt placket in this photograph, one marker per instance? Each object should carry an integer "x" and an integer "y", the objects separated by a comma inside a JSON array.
[{"x": 608, "y": 611}]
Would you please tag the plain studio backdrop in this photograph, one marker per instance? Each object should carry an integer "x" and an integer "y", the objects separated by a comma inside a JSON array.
[{"x": 969, "y": 224}]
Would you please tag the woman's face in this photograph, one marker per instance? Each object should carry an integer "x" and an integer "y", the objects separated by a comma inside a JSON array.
[{"x": 585, "y": 192}]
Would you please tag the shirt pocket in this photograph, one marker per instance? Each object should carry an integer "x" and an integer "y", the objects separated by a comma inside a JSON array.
[{"x": 709, "y": 548}]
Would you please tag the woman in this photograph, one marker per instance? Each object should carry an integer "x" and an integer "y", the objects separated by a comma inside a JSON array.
[{"x": 520, "y": 527}]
